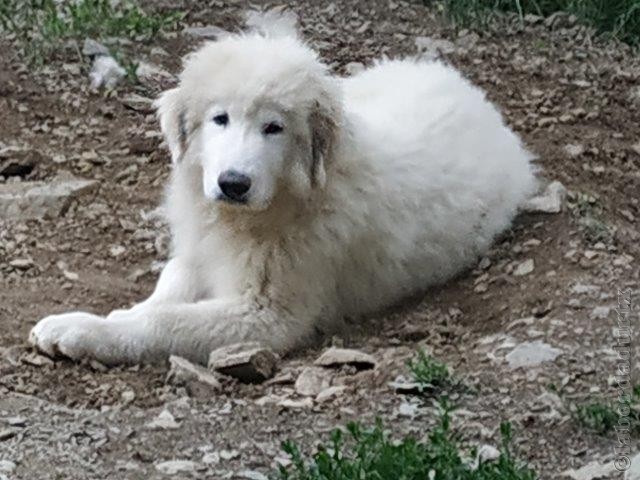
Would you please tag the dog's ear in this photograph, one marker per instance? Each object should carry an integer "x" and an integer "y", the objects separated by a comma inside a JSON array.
[
  {"x": 323, "y": 121},
  {"x": 173, "y": 122}
]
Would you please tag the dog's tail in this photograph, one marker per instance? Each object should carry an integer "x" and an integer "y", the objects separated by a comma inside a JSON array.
[{"x": 275, "y": 23}]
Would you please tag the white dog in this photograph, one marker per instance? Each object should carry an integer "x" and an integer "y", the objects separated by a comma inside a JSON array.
[{"x": 298, "y": 199}]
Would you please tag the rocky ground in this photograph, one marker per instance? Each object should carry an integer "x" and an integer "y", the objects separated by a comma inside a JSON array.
[{"x": 549, "y": 286}]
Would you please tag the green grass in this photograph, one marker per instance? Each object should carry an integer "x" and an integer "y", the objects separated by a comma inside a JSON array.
[
  {"x": 42, "y": 26},
  {"x": 370, "y": 454},
  {"x": 589, "y": 213},
  {"x": 428, "y": 372},
  {"x": 602, "y": 417},
  {"x": 614, "y": 18}
]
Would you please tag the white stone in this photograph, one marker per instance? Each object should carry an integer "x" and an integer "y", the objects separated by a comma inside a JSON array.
[
  {"x": 313, "y": 380},
  {"x": 633, "y": 473},
  {"x": 600, "y": 312},
  {"x": 336, "y": 357},
  {"x": 26, "y": 200},
  {"x": 550, "y": 201},
  {"x": 433, "y": 48},
  {"x": 106, "y": 72},
  {"x": 91, "y": 48},
  {"x": 532, "y": 354},
  {"x": 330, "y": 393},
  {"x": 7, "y": 466},
  {"x": 182, "y": 370},
  {"x": 524, "y": 268},
  {"x": 592, "y": 471},
  {"x": 209, "y": 32},
  {"x": 173, "y": 467},
  {"x": 164, "y": 421}
]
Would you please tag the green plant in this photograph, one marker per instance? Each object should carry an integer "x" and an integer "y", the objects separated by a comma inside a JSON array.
[
  {"x": 602, "y": 417},
  {"x": 42, "y": 26},
  {"x": 369, "y": 453},
  {"x": 614, "y": 18},
  {"x": 588, "y": 213},
  {"x": 428, "y": 372}
]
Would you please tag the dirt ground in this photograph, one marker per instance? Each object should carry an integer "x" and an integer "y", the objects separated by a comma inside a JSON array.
[{"x": 574, "y": 100}]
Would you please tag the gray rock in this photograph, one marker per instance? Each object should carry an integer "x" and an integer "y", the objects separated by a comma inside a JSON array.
[
  {"x": 182, "y": 371},
  {"x": 248, "y": 362},
  {"x": 153, "y": 75},
  {"x": 592, "y": 471},
  {"x": 164, "y": 421},
  {"x": 524, "y": 268},
  {"x": 173, "y": 467},
  {"x": 330, "y": 393},
  {"x": 312, "y": 381},
  {"x": 41, "y": 199},
  {"x": 106, "y": 72},
  {"x": 251, "y": 475},
  {"x": 433, "y": 48},
  {"x": 209, "y": 32},
  {"x": 336, "y": 357},
  {"x": 138, "y": 103},
  {"x": 633, "y": 473},
  {"x": 550, "y": 201},
  {"x": 7, "y": 466},
  {"x": 354, "y": 67},
  {"x": 532, "y": 354},
  {"x": 91, "y": 48}
]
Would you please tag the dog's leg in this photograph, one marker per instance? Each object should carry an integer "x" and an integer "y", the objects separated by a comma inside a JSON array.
[
  {"x": 152, "y": 334},
  {"x": 177, "y": 284}
]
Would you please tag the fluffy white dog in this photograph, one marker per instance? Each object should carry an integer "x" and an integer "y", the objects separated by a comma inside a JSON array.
[{"x": 298, "y": 199}]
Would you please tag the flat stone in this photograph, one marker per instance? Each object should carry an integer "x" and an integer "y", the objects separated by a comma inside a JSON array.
[
  {"x": 106, "y": 72},
  {"x": 173, "y": 467},
  {"x": 251, "y": 475},
  {"x": 209, "y": 32},
  {"x": 330, "y": 393},
  {"x": 524, "y": 268},
  {"x": 7, "y": 466},
  {"x": 164, "y": 421},
  {"x": 296, "y": 404},
  {"x": 28, "y": 200},
  {"x": 551, "y": 200},
  {"x": 138, "y": 103},
  {"x": 532, "y": 354},
  {"x": 312, "y": 380},
  {"x": 17, "y": 422},
  {"x": 91, "y": 48},
  {"x": 183, "y": 371},
  {"x": 248, "y": 362},
  {"x": 592, "y": 471},
  {"x": 433, "y": 48},
  {"x": 336, "y": 357},
  {"x": 633, "y": 473}
]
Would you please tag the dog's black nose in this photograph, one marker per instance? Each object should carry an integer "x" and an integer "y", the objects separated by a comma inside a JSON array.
[{"x": 234, "y": 185}]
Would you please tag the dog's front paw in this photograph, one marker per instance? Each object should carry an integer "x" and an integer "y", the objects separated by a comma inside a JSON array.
[{"x": 74, "y": 335}]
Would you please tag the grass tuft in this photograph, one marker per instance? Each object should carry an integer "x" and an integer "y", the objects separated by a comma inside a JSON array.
[
  {"x": 613, "y": 18},
  {"x": 428, "y": 372},
  {"x": 603, "y": 417},
  {"x": 42, "y": 26},
  {"x": 589, "y": 214},
  {"x": 369, "y": 453}
]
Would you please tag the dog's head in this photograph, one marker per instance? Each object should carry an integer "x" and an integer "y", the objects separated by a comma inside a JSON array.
[{"x": 258, "y": 114}]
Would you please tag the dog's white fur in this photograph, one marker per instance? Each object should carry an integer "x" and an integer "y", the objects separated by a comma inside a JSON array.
[{"x": 379, "y": 186}]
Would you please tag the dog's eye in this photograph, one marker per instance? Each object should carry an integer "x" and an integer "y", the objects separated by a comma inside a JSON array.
[
  {"x": 221, "y": 119},
  {"x": 272, "y": 128}
]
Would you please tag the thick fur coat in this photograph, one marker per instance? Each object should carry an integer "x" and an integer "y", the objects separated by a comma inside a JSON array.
[{"x": 363, "y": 190}]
